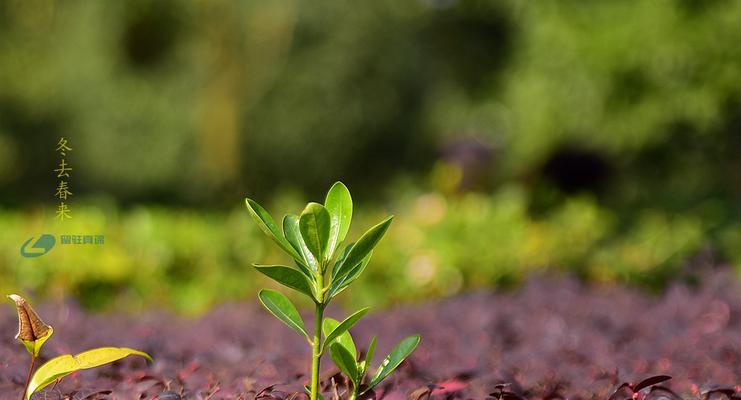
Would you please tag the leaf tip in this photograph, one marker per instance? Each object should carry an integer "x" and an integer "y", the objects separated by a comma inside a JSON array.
[
  {"x": 252, "y": 206},
  {"x": 147, "y": 356},
  {"x": 339, "y": 185}
]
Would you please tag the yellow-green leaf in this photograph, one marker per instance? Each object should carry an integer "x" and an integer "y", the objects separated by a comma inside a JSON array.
[
  {"x": 59, "y": 367},
  {"x": 104, "y": 355},
  {"x": 56, "y": 368}
]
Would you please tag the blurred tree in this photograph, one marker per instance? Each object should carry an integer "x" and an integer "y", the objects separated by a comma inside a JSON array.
[{"x": 209, "y": 100}]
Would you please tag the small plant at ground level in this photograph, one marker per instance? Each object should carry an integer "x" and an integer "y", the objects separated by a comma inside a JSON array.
[
  {"x": 33, "y": 333},
  {"x": 313, "y": 240}
]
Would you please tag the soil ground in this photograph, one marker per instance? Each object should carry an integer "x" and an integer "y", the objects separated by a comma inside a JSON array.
[{"x": 551, "y": 338}]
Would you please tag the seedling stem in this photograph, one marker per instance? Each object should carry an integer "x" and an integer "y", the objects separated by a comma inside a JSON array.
[
  {"x": 317, "y": 342},
  {"x": 28, "y": 378}
]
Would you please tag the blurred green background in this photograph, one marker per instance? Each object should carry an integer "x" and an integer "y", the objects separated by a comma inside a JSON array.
[{"x": 508, "y": 137}]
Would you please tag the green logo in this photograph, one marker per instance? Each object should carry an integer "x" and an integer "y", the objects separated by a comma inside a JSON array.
[{"x": 40, "y": 247}]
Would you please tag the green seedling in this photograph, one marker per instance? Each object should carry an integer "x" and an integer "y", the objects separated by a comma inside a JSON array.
[
  {"x": 313, "y": 240},
  {"x": 33, "y": 333}
]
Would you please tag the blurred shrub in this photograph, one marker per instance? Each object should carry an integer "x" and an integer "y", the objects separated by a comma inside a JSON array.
[
  {"x": 438, "y": 246},
  {"x": 198, "y": 102},
  {"x": 608, "y": 149}
]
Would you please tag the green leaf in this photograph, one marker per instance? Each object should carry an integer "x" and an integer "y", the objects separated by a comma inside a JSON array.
[
  {"x": 59, "y": 367},
  {"x": 283, "y": 309},
  {"x": 314, "y": 225},
  {"x": 293, "y": 235},
  {"x": 343, "y": 328},
  {"x": 344, "y": 361},
  {"x": 288, "y": 276},
  {"x": 369, "y": 355},
  {"x": 345, "y": 339},
  {"x": 363, "y": 247},
  {"x": 341, "y": 260},
  {"x": 392, "y": 361},
  {"x": 340, "y": 284},
  {"x": 339, "y": 206},
  {"x": 268, "y": 226}
]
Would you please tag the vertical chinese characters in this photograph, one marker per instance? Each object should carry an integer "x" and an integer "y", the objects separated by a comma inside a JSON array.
[{"x": 63, "y": 173}]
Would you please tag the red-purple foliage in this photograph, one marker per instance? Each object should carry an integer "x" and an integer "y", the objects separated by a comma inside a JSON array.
[{"x": 551, "y": 339}]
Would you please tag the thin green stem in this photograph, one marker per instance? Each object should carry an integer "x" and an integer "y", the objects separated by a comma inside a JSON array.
[
  {"x": 316, "y": 354},
  {"x": 28, "y": 379},
  {"x": 316, "y": 344}
]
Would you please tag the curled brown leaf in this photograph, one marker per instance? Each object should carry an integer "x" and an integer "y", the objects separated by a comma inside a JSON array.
[{"x": 30, "y": 326}]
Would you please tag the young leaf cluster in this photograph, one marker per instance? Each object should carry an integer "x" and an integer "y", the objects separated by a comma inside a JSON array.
[
  {"x": 345, "y": 356},
  {"x": 312, "y": 239},
  {"x": 323, "y": 269}
]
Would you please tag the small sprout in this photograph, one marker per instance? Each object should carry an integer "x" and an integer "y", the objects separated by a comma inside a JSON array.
[
  {"x": 33, "y": 333},
  {"x": 313, "y": 240},
  {"x": 61, "y": 366}
]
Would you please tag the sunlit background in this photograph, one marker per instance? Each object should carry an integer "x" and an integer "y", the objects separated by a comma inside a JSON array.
[{"x": 601, "y": 139}]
